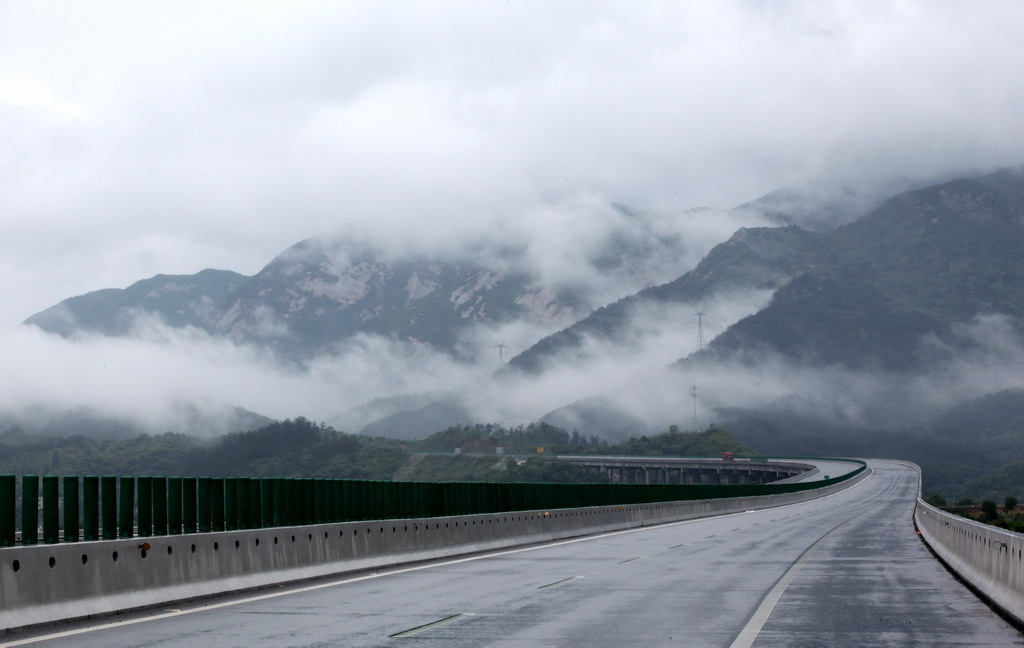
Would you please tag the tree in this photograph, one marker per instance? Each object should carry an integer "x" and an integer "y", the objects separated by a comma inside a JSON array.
[
  {"x": 989, "y": 511},
  {"x": 1009, "y": 504}
]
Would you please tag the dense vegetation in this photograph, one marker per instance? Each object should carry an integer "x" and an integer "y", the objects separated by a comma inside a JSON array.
[
  {"x": 1008, "y": 516},
  {"x": 973, "y": 450},
  {"x": 968, "y": 454},
  {"x": 302, "y": 448},
  {"x": 291, "y": 448}
]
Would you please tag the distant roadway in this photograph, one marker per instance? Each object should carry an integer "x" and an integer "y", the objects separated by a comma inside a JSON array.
[{"x": 846, "y": 570}]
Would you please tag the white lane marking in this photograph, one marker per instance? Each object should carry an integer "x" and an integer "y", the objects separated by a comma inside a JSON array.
[
  {"x": 374, "y": 575},
  {"x": 753, "y": 627},
  {"x": 560, "y": 582},
  {"x": 428, "y": 626}
]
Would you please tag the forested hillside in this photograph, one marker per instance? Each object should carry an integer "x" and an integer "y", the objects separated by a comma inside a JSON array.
[{"x": 302, "y": 448}]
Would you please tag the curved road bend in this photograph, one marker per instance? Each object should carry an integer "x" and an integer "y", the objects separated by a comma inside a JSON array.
[{"x": 847, "y": 570}]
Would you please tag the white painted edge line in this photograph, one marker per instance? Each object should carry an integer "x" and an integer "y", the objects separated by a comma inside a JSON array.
[{"x": 405, "y": 570}]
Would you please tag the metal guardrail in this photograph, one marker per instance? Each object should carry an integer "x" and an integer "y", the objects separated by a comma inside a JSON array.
[{"x": 72, "y": 508}]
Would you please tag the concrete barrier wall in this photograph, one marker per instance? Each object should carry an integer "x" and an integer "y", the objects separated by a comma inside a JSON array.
[
  {"x": 46, "y": 583},
  {"x": 988, "y": 558}
]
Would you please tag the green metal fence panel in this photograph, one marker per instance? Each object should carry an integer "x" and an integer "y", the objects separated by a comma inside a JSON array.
[
  {"x": 287, "y": 505},
  {"x": 255, "y": 516},
  {"x": 217, "y": 517},
  {"x": 8, "y": 517},
  {"x": 189, "y": 505},
  {"x": 71, "y": 508},
  {"x": 280, "y": 497},
  {"x": 266, "y": 503},
  {"x": 174, "y": 508},
  {"x": 204, "y": 507},
  {"x": 97, "y": 507},
  {"x": 359, "y": 499},
  {"x": 29, "y": 509},
  {"x": 159, "y": 506},
  {"x": 384, "y": 500},
  {"x": 297, "y": 502},
  {"x": 108, "y": 506},
  {"x": 145, "y": 506},
  {"x": 126, "y": 508},
  {"x": 243, "y": 512},
  {"x": 231, "y": 503},
  {"x": 90, "y": 508},
  {"x": 337, "y": 505},
  {"x": 319, "y": 501},
  {"x": 308, "y": 501},
  {"x": 51, "y": 509}
]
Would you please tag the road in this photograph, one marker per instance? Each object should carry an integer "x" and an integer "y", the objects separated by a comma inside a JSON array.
[{"x": 847, "y": 570}]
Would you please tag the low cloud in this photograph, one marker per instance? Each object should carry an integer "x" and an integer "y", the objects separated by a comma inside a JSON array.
[
  {"x": 143, "y": 139},
  {"x": 140, "y": 140}
]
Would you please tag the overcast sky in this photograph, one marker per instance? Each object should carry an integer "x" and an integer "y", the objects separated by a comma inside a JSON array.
[{"x": 141, "y": 137}]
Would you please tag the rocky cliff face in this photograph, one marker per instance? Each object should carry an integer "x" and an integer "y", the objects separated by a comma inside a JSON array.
[{"x": 320, "y": 292}]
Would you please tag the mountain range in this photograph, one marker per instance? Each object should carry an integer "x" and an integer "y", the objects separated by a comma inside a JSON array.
[
  {"x": 322, "y": 291},
  {"x": 893, "y": 290}
]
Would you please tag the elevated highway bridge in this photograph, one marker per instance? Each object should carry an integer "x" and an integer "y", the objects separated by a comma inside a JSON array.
[
  {"x": 847, "y": 569},
  {"x": 670, "y": 470}
]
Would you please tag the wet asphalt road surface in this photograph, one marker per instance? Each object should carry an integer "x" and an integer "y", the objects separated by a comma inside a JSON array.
[{"x": 846, "y": 570}]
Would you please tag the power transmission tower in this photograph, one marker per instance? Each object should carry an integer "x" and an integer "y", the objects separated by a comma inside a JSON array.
[
  {"x": 693, "y": 394},
  {"x": 694, "y": 390},
  {"x": 501, "y": 352},
  {"x": 700, "y": 329}
]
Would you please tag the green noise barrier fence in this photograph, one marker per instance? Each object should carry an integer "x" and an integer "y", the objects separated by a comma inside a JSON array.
[{"x": 106, "y": 508}]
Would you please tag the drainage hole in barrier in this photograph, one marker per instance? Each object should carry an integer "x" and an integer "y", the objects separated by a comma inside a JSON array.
[
  {"x": 17, "y": 565},
  {"x": 325, "y": 535},
  {"x": 355, "y": 531},
  {"x": 275, "y": 539},
  {"x": 85, "y": 559},
  {"x": 193, "y": 548},
  {"x": 170, "y": 550},
  {"x": 293, "y": 538},
  {"x": 311, "y": 537},
  {"x": 341, "y": 534},
  {"x": 142, "y": 553},
  {"x": 53, "y": 562},
  {"x": 257, "y": 542},
  {"x": 237, "y": 544},
  {"x": 216, "y": 546},
  {"x": 114, "y": 556}
]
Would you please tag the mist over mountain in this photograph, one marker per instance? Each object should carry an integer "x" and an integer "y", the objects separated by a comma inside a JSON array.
[
  {"x": 881, "y": 323},
  {"x": 753, "y": 260},
  {"x": 323, "y": 291},
  {"x": 884, "y": 322},
  {"x": 319, "y": 293},
  {"x": 194, "y": 419},
  {"x": 890, "y": 287},
  {"x": 822, "y": 206}
]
